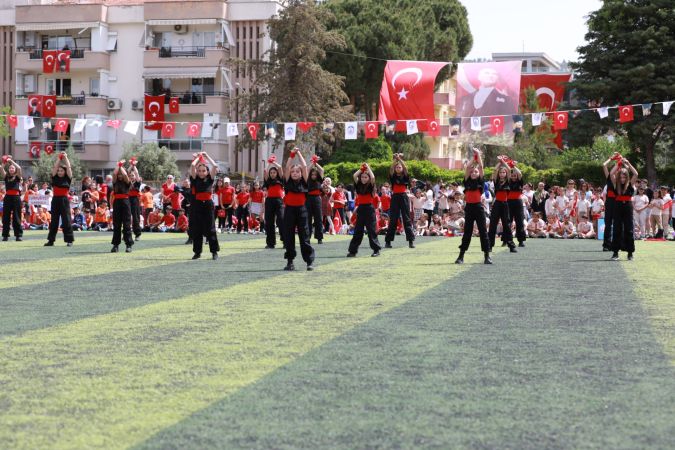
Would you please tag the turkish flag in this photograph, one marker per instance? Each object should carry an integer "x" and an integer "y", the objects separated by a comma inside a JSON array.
[
  {"x": 154, "y": 111},
  {"x": 168, "y": 130},
  {"x": 113, "y": 123},
  {"x": 496, "y": 125},
  {"x": 34, "y": 105},
  {"x": 408, "y": 91},
  {"x": 61, "y": 125},
  {"x": 306, "y": 126},
  {"x": 433, "y": 127},
  {"x": 372, "y": 130},
  {"x": 194, "y": 129},
  {"x": 49, "y": 148},
  {"x": 49, "y": 106},
  {"x": 253, "y": 130},
  {"x": 626, "y": 113},
  {"x": 63, "y": 61},
  {"x": 34, "y": 149},
  {"x": 48, "y": 61},
  {"x": 560, "y": 120},
  {"x": 550, "y": 89},
  {"x": 12, "y": 121},
  {"x": 174, "y": 105}
]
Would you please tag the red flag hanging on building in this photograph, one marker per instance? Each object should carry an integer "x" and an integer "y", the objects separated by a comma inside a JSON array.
[
  {"x": 115, "y": 123},
  {"x": 49, "y": 106},
  {"x": 63, "y": 61},
  {"x": 408, "y": 91},
  {"x": 253, "y": 130},
  {"x": 174, "y": 105},
  {"x": 194, "y": 129},
  {"x": 168, "y": 130},
  {"x": 626, "y": 113},
  {"x": 496, "y": 125},
  {"x": 49, "y": 148},
  {"x": 12, "y": 121},
  {"x": 34, "y": 149},
  {"x": 48, "y": 61},
  {"x": 550, "y": 90},
  {"x": 34, "y": 105},
  {"x": 372, "y": 130},
  {"x": 560, "y": 120},
  {"x": 306, "y": 126},
  {"x": 154, "y": 111},
  {"x": 433, "y": 127},
  {"x": 61, "y": 125}
]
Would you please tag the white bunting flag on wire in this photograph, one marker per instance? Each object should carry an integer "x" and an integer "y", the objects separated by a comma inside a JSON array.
[
  {"x": 603, "y": 112},
  {"x": 132, "y": 126},
  {"x": 666, "y": 107},
  {"x": 95, "y": 123},
  {"x": 290, "y": 130},
  {"x": 475, "y": 124},
  {"x": 28, "y": 123},
  {"x": 537, "y": 119},
  {"x": 79, "y": 125},
  {"x": 232, "y": 130},
  {"x": 351, "y": 131},
  {"x": 411, "y": 127}
]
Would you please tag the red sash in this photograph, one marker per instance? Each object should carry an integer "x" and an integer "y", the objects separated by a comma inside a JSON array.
[
  {"x": 364, "y": 199},
  {"x": 472, "y": 196},
  {"x": 624, "y": 198},
  {"x": 502, "y": 196},
  {"x": 314, "y": 192},
  {"x": 275, "y": 191},
  {"x": 399, "y": 189},
  {"x": 295, "y": 199},
  {"x": 203, "y": 196},
  {"x": 61, "y": 192},
  {"x": 13, "y": 192},
  {"x": 514, "y": 195}
]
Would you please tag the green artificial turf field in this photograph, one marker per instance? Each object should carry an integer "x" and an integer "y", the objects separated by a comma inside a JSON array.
[{"x": 555, "y": 347}]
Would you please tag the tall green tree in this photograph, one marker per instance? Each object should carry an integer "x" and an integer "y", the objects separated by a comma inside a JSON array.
[
  {"x": 42, "y": 167},
  {"x": 534, "y": 146},
  {"x": 629, "y": 60},
  {"x": 4, "y": 127},
  {"x": 154, "y": 162}
]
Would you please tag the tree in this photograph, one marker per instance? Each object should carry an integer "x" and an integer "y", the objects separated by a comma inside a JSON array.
[
  {"x": 4, "y": 127},
  {"x": 42, "y": 167},
  {"x": 629, "y": 60},
  {"x": 412, "y": 146},
  {"x": 378, "y": 30},
  {"x": 363, "y": 150},
  {"x": 154, "y": 162}
]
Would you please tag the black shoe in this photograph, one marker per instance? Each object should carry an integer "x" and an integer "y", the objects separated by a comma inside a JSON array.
[
  {"x": 19, "y": 239},
  {"x": 320, "y": 241},
  {"x": 606, "y": 249},
  {"x": 487, "y": 259},
  {"x": 521, "y": 244},
  {"x": 49, "y": 244},
  {"x": 5, "y": 239},
  {"x": 128, "y": 249},
  {"x": 214, "y": 256},
  {"x": 138, "y": 238},
  {"x": 375, "y": 254},
  {"x": 513, "y": 249},
  {"x": 188, "y": 242},
  {"x": 196, "y": 256},
  {"x": 69, "y": 244},
  {"x": 630, "y": 257},
  {"x": 387, "y": 244},
  {"x": 615, "y": 256},
  {"x": 411, "y": 244},
  {"x": 269, "y": 247},
  {"x": 351, "y": 255},
  {"x": 460, "y": 258},
  {"x": 115, "y": 249},
  {"x": 290, "y": 266},
  {"x": 310, "y": 267}
]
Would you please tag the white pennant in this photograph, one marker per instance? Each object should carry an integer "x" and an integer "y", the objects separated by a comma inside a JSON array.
[
  {"x": 646, "y": 109},
  {"x": 232, "y": 130},
  {"x": 603, "y": 112},
  {"x": 475, "y": 123},
  {"x": 95, "y": 123},
  {"x": 131, "y": 127},
  {"x": 411, "y": 127},
  {"x": 28, "y": 122},
  {"x": 351, "y": 131},
  {"x": 537, "y": 119},
  {"x": 289, "y": 131},
  {"x": 79, "y": 125},
  {"x": 666, "y": 107}
]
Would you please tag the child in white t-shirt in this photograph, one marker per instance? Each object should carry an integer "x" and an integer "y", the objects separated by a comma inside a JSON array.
[
  {"x": 585, "y": 228},
  {"x": 655, "y": 216},
  {"x": 536, "y": 228}
]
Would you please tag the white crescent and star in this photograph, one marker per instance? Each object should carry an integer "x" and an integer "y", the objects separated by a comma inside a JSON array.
[
  {"x": 561, "y": 118},
  {"x": 625, "y": 111},
  {"x": 433, "y": 125},
  {"x": 403, "y": 94},
  {"x": 34, "y": 103},
  {"x": 546, "y": 91},
  {"x": 497, "y": 122},
  {"x": 49, "y": 59},
  {"x": 62, "y": 55},
  {"x": 251, "y": 129},
  {"x": 194, "y": 128},
  {"x": 371, "y": 127},
  {"x": 154, "y": 114}
]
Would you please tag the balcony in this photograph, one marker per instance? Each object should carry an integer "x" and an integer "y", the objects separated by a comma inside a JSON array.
[
  {"x": 85, "y": 151},
  {"x": 182, "y": 145},
  {"x": 70, "y": 105},
  {"x": 76, "y": 53},
  {"x": 184, "y": 11},
  {"x": 30, "y": 60},
  {"x": 185, "y": 56},
  {"x": 200, "y": 103},
  {"x": 35, "y": 17}
]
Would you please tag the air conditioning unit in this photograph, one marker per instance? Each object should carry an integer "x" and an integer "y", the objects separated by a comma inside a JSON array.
[
  {"x": 180, "y": 29},
  {"x": 114, "y": 104},
  {"x": 137, "y": 105}
]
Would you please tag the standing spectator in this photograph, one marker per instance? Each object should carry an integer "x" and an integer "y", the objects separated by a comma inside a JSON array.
[
  {"x": 243, "y": 203},
  {"x": 641, "y": 211},
  {"x": 665, "y": 210},
  {"x": 167, "y": 190},
  {"x": 147, "y": 202},
  {"x": 655, "y": 227},
  {"x": 228, "y": 202},
  {"x": 429, "y": 202}
]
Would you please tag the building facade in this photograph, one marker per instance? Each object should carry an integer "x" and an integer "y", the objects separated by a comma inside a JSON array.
[{"x": 7, "y": 60}]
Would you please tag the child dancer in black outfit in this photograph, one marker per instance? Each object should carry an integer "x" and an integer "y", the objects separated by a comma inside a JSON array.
[
  {"x": 364, "y": 186},
  {"x": 516, "y": 203},
  {"x": 135, "y": 198},
  {"x": 400, "y": 203},
  {"x": 202, "y": 221},
  {"x": 474, "y": 212},
  {"x": 314, "y": 215},
  {"x": 12, "y": 201},
  {"x": 295, "y": 211},
  {"x": 274, "y": 203},
  {"x": 121, "y": 209},
  {"x": 61, "y": 178},
  {"x": 624, "y": 185},
  {"x": 500, "y": 208}
]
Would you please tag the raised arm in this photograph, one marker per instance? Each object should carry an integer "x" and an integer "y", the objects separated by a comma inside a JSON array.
[
  {"x": 633, "y": 171},
  {"x": 120, "y": 169},
  {"x": 318, "y": 169},
  {"x": 303, "y": 165},
  {"x": 2, "y": 168},
  {"x": 69, "y": 170},
  {"x": 134, "y": 170},
  {"x": 398, "y": 159},
  {"x": 214, "y": 166},
  {"x": 477, "y": 163},
  {"x": 193, "y": 166}
]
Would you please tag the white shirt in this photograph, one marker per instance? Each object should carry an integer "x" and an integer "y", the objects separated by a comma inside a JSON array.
[
  {"x": 640, "y": 201},
  {"x": 656, "y": 207},
  {"x": 429, "y": 201},
  {"x": 597, "y": 205},
  {"x": 536, "y": 225}
]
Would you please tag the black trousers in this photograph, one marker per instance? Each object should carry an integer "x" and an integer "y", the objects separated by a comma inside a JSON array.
[
  {"x": 516, "y": 213},
  {"x": 500, "y": 211},
  {"x": 474, "y": 213},
  {"x": 202, "y": 225},
  {"x": 242, "y": 218},
  {"x": 622, "y": 235},
  {"x": 274, "y": 217},
  {"x": 365, "y": 220},
  {"x": 122, "y": 222},
  {"x": 135, "y": 206},
  {"x": 60, "y": 210},
  {"x": 296, "y": 217},
  {"x": 400, "y": 207},
  {"x": 229, "y": 213},
  {"x": 11, "y": 214},
  {"x": 314, "y": 215},
  {"x": 610, "y": 205}
]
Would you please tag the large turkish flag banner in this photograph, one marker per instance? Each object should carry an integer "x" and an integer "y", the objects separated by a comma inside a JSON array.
[
  {"x": 550, "y": 89},
  {"x": 48, "y": 61},
  {"x": 154, "y": 111},
  {"x": 49, "y": 106},
  {"x": 408, "y": 91}
]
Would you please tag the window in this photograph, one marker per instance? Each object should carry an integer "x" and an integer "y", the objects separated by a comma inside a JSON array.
[
  {"x": 59, "y": 87},
  {"x": 58, "y": 42},
  {"x": 94, "y": 86}
]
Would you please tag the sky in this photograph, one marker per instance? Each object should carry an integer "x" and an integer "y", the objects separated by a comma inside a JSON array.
[{"x": 553, "y": 27}]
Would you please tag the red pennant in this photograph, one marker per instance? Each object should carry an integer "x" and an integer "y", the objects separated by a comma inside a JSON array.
[
  {"x": 306, "y": 126},
  {"x": 194, "y": 129},
  {"x": 12, "y": 121},
  {"x": 49, "y": 106},
  {"x": 253, "y": 130},
  {"x": 154, "y": 111},
  {"x": 61, "y": 125},
  {"x": 372, "y": 130},
  {"x": 49, "y": 148},
  {"x": 560, "y": 120},
  {"x": 626, "y": 113},
  {"x": 168, "y": 130},
  {"x": 48, "y": 61},
  {"x": 34, "y": 105},
  {"x": 433, "y": 127},
  {"x": 496, "y": 125},
  {"x": 63, "y": 61},
  {"x": 113, "y": 123},
  {"x": 174, "y": 105},
  {"x": 34, "y": 149}
]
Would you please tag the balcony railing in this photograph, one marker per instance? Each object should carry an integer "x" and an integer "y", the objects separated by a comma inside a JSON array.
[
  {"x": 75, "y": 53},
  {"x": 181, "y": 145},
  {"x": 68, "y": 100},
  {"x": 191, "y": 98},
  {"x": 185, "y": 52}
]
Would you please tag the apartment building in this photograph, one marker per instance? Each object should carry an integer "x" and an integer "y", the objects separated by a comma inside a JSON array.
[
  {"x": 7, "y": 61},
  {"x": 123, "y": 49}
]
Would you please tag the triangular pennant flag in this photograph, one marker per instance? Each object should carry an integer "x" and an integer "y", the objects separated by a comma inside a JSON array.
[
  {"x": 168, "y": 130},
  {"x": 537, "y": 119},
  {"x": 79, "y": 125},
  {"x": 47, "y": 125},
  {"x": 496, "y": 125},
  {"x": 289, "y": 131},
  {"x": 666, "y": 107},
  {"x": 433, "y": 127},
  {"x": 12, "y": 121},
  {"x": 560, "y": 120},
  {"x": 28, "y": 123},
  {"x": 253, "y": 130},
  {"x": 475, "y": 124},
  {"x": 411, "y": 127},
  {"x": 603, "y": 112},
  {"x": 271, "y": 130},
  {"x": 194, "y": 129},
  {"x": 328, "y": 127},
  {"x": 132, "y": 127},
  {"x": 372, "y": 130},
  {"x": 646, "y": 109},
  {"x": 95, "y": 123},
  {"x": 351, "y": 130},
  {"x": 232, "y": 130},
  {"x": 391, "y": 128},
  {"x": 113, "y": 123},
  {"x": 626, "y": 113},
  {"x": 61, "y": 125},
  {"x": 455, "y": 127},
  {"x": 306, "y": 126}
]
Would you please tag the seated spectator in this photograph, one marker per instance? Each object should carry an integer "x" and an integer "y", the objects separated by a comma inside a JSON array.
[
  {"x": 88, "y": 220},
  {"x": 101, "y": 217},
  {"x": 168, "y": 221},
  {"x": 154, "y": 220},
  {"x": 40, "y": 219},
  {"x": 569, "y": 231},
  {"x": 421, "y": 228},
  {"x": 436, "y": 227},
  {"x": 383, "y": 224},
  {"x": 554, "y": 228},
  {"x": 585, "y": 228},
  {"x": 536, "y": 227},
  {"x": 78, "y": 220},
  {"x": 182, "y": 223}
]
